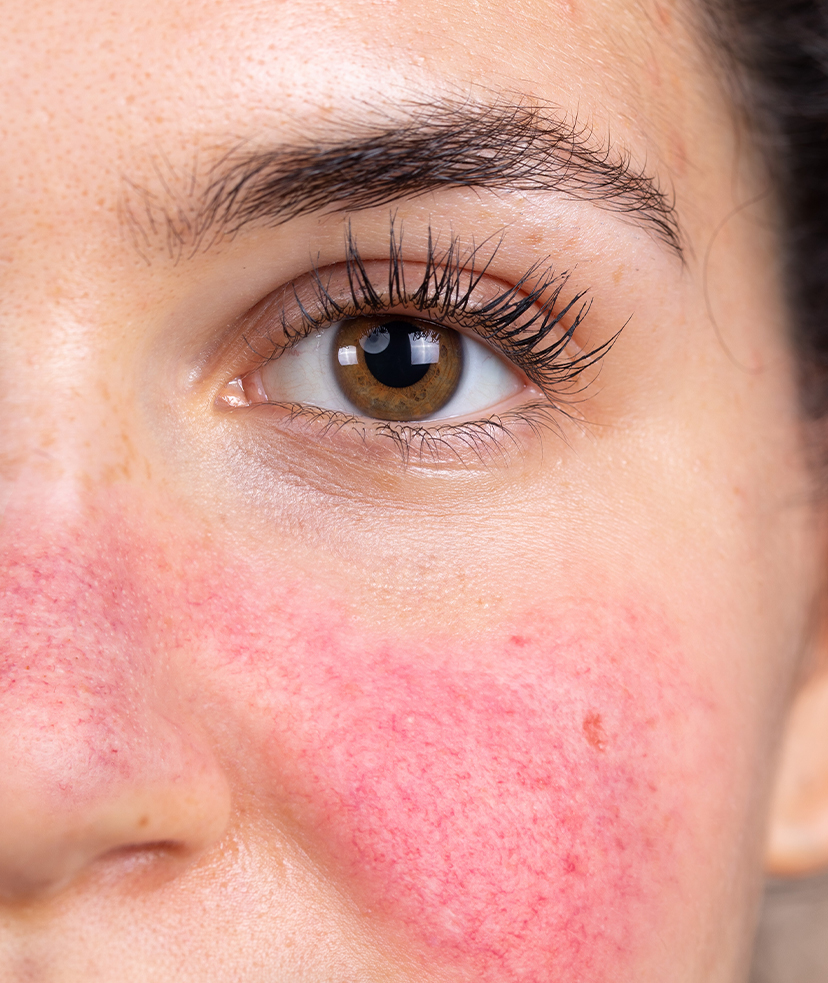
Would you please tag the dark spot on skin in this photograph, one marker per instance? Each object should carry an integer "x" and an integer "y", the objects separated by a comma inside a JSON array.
[
  {"x": 518, "y": 640},
  {"x": 594, "y": 731},
  {"x": 143, "y": 822}
]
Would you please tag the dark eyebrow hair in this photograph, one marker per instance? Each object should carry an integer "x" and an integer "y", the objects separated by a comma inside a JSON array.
[{"x": 408, "y": 152}]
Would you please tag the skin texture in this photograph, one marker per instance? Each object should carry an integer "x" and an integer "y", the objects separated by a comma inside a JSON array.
[
  {"x": 283, "y": 703},
  {"x": 490, "y": 802}
]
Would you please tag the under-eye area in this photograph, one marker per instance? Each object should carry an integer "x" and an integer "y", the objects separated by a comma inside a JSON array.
[{"x": 433, "y": 357}]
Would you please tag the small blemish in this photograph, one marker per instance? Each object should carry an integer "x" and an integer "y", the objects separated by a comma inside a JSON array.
[
  {"x": 518, "y": 640},
  {"x": 594, "y": 731},
  {"x": 143, "y": 822}
]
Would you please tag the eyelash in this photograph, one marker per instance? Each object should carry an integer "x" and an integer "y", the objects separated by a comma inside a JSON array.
[{"x": 446, "y": 293}]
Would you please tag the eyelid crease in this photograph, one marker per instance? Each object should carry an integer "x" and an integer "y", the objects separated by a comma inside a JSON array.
[{"x": 523, "y": 321}]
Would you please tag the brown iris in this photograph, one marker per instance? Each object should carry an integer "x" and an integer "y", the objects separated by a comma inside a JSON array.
[{"x": 397, "y": 368}]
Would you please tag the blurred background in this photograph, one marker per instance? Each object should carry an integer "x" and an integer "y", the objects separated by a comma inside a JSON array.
[{"x": 792, "y": 944}]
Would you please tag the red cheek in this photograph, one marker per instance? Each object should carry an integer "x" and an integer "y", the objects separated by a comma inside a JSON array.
[{"x": 513, "y": 805}]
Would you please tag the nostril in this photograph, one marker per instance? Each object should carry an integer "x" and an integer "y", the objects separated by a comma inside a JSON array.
[
  {"x": 44, "y": 857},
  {"x": 143, "y": 867},
  {"x": 149, "y": 819}
]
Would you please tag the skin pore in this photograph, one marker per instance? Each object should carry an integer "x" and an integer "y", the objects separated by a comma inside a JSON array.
[{"x": 287, "y": 696}]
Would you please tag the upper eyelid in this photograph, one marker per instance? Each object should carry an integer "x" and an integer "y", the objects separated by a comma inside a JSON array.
[
  {"x": 477, "y": 313},
  {"x": 473, "y": 289},
  {"x": 449, "y": 286}
]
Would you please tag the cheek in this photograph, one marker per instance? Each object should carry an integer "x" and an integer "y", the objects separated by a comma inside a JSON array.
[{"x": 517, "y": 805}]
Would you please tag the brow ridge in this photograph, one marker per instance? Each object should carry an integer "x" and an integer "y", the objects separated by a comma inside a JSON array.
[{"x": 407, "y": 153}]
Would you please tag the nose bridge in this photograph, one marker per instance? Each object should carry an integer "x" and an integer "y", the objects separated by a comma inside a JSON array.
[
  {"x": 67, "y": 365},
  {"x": 70, "y": 588}
]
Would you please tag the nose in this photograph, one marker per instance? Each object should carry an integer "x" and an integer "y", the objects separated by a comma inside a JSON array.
[{"x": 101, "y": 754}]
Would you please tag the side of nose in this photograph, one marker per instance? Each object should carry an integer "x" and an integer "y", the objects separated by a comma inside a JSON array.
[
  {"x": 59, "y": 817},
  {"x": 100, "y": 751}
]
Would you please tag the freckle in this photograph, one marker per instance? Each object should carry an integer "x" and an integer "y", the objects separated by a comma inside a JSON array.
[
  {"x": 143, "y": 821},
  {"x": 47, "y": 439},
  {"x": 594, "y": 731}
]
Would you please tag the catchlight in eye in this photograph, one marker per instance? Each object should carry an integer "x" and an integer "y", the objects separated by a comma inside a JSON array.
[{"x": 396, "y": 368}]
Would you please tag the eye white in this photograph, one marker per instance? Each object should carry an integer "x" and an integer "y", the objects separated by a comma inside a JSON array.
[{"x": 304, "y": 374}]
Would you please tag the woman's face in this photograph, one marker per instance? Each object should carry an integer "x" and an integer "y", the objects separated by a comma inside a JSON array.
[{"x": 315, "y": 671}]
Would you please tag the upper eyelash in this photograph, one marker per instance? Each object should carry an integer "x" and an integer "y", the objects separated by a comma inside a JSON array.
[{"x": 447, "y": 290}]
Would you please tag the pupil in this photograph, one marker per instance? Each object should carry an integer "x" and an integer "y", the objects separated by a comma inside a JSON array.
[{"x": 398, "y": 364}]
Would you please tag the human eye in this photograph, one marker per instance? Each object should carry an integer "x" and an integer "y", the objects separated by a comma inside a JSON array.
[{"x": 435, "y": 358}]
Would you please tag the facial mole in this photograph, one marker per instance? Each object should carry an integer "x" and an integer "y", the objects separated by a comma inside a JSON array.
[{"x": 594, "y": 731}]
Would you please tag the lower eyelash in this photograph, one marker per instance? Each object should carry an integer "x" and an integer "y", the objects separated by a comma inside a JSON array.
[{"x": 490, "y": 441}]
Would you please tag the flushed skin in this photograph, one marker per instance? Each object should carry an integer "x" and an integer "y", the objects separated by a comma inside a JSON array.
[
  {"x": 281, "y": 704},
  {"x": 498, "y": 803}
]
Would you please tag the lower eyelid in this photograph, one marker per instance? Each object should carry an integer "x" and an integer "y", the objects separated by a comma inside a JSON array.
[{"x": 347, "y": 442}]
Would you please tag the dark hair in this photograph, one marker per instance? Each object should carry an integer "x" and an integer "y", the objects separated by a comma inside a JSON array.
[{"x": 780, "y": 51}]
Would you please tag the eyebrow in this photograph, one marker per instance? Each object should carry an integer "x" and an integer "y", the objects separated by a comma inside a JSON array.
[{"x": 409, "y": 152}]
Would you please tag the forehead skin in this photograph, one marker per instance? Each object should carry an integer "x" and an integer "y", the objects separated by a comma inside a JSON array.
[
  {"x": 248, "y": 71},
  {"x": 279, "y": 711}
]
